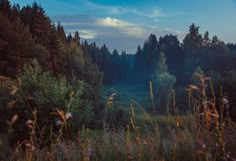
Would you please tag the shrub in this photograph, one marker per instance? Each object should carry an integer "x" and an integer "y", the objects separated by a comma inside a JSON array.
[{"x": 45, "y": 102}]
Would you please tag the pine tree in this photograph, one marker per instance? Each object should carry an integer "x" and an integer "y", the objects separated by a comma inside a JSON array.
[
  {"x": 5, "y": 8},
  {"x": 161, "y": 66},
  {"x": 16, "y": 45},
  {"x": 40, "y": 24},
  {"x": 163, "y": 83},
  {"x": 76, "y": 38},
  {"x": 61, "y": 32},
  {"x": 53, "y": 47}
]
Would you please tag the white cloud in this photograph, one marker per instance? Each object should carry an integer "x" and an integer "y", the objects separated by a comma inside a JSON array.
[
  {"x": 87, "y": 34},
  {"x": 70, "y": 23},
  {"x": 123, "y": 26},
  {"x": 177, "y": 32},
  {"x": 104, "y": 8},
  {"x": 155, "y": 13},
  {"x": 84, "y": 34},
  {"x": 112, "y": 22},
  {"x": 156, "y": 20},
  {"x": 151, "y": 13}
]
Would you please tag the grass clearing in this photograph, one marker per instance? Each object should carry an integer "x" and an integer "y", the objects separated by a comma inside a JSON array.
[{"x": 198, "y": 136}]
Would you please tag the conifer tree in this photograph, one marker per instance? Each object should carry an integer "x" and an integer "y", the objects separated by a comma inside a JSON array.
[{"x": 163, "y": 83}]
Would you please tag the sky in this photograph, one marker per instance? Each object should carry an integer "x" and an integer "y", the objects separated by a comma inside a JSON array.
[{"x": 125, "y": 24}]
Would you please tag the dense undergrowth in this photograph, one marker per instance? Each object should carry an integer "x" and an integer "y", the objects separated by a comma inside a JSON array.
[{"x": 41, "y": 121}]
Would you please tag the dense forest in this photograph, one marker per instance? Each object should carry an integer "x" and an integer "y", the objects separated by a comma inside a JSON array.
[{"x": 45, "y": 70}]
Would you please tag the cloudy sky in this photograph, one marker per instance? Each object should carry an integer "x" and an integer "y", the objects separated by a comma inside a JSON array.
[{"x": 124, "y": 24}]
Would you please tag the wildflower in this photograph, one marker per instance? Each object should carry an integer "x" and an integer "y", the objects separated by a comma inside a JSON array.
[
  {"x": 138, "y": 141},
  {"x": 58, "y": 122},
  {"x": 13, "y": 120},
  {"x": 33, "y": 148},
  {"x": 71, "y": 94},
  {"x": 19, "y": 81},
  {"x": 207, "y": 78},
  {"x": 193, "y": 87},
  {"x": 202, "y": 114},
  {"x": 29, "y": 97},
  {"x": 215, "y": 115},
  {"x": 113, "y": 95},
  {"x": 4, "y": 78},
  {"x": 199, "y": 144},
  {"x": 137, "y": 127},
  {"x": 209, "y": 156},
  {"x": 30, "y": 146},
  {"x": 225, "y": 101},
  {"x": 90, "y": 153},
  {"x": 29, "y": 123},
  {"x": 12, "y": 103},
  {"x": 109, "y": 104},
  {"x": 15, "y": 89},
  {"x": 229, "y": 157},
  {"x": 145, "y": 142},
  {"x": 211, "y": 103},
  {"x": 177, "y": 123},
  {"x": 68, "y": 115},
  {"x": 198, "y": 76},
  {"x": 205, "y": 103},
  {"x": 130, "y": 151},
  {"x": 110, "y": 100}
]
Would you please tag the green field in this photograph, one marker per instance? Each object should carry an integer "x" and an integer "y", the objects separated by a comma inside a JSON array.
[{"x": 127, "y": 92}]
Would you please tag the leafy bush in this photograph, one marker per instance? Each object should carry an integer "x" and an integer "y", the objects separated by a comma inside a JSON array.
[
  {"x": 165, "y": 82},
  {"x": 46, "y": 102}
]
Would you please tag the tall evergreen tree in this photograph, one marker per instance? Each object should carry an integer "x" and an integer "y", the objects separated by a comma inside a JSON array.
[{"x": 163, "y": 83}]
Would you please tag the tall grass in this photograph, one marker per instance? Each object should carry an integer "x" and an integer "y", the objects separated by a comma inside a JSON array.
[{"x": 203, "y": 134}]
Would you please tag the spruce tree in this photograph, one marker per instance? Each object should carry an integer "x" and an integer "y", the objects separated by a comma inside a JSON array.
[{"x": 163, "y": 83}]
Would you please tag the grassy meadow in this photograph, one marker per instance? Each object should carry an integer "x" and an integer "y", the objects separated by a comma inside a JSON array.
[{"x": 130, "y": 133}]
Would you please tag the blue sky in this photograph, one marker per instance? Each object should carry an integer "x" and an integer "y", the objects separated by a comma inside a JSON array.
[{"x": 124, "y": 24}]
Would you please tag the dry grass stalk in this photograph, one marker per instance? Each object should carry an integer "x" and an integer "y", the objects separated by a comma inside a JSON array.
[{"x": 152, "y": 97}]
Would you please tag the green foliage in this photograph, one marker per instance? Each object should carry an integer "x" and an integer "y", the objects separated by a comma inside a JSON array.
[
  {"x": 50, "y": 93},
  {"x": 145, "y": 58},
  {"x": 51, "y": 99},
  {"x": 161, "y": 65},
  {"x": 46, "y": 90},
  {"x": 105, "y": 60},
  {"x": 193, "y": 39},
  {"x": 163, "y": 83}
]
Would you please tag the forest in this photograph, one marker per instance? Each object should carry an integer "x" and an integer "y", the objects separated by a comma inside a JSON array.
[{"x": 62, "y": 98}]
